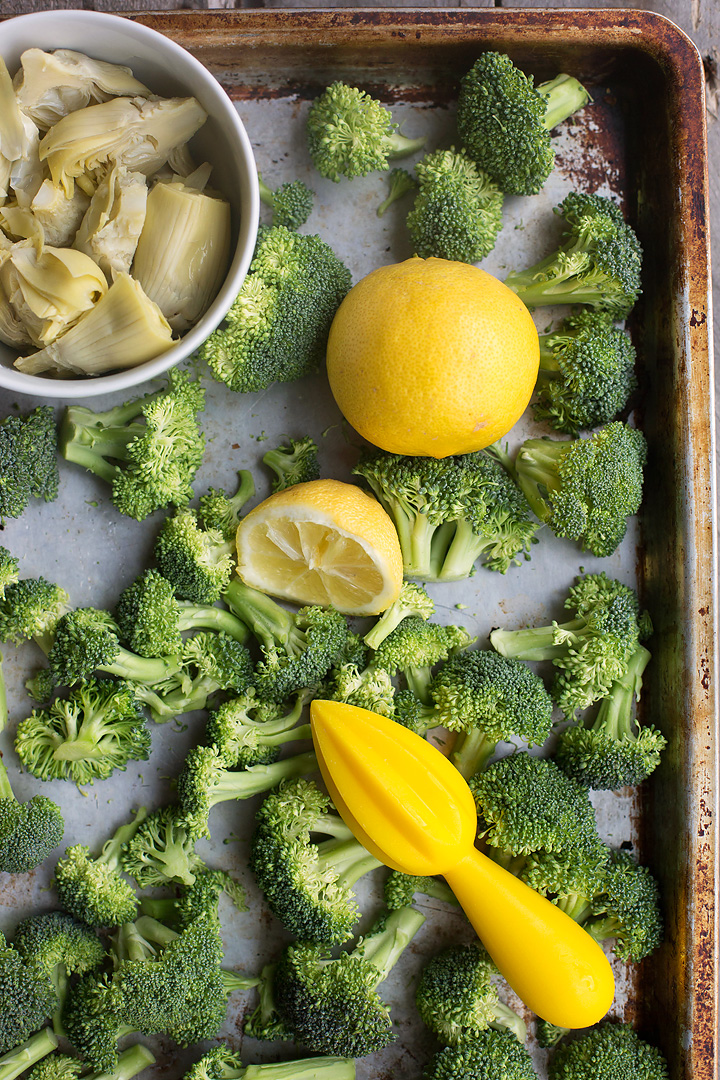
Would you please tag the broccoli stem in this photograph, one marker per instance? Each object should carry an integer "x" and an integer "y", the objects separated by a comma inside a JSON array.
[
  {"x": 316, "y": 1068},
  {"x": 270, "y": 623},
  {"x": 266, "y": 194},
  {"x": 471, "y": 752},
  {"x": 113, "y": 848},
  {"x": 22, "y": 1057},
  {"x": 141, "y": 669},
  {"x": 259, "y": 778},
  {"x": 615, "y": 715},
  {"x": 233, "y": 980},
  {"x": 508, "y": 1020},
  {"x": 347, "y": 857},
  {"x": 399, "y": 146},
  {"x": 537, "y": 642},
  {"x": 201, "y": 616},
  {"x": 384, "y": 948},
  {"x": 418, "y": 680},
  {"x": 130, "y": 1062},
  {"x": 577, "y": 906},
  {"x": 564, "y": 96},
  {"x": 3, "y": 698},
  {"x": 88, "y": 438},
  {"x": 6, "y": 792},
  {"x": 462, "y": 552}
]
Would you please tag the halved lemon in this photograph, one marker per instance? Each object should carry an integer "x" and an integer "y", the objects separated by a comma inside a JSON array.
[{"x": 324, "y": 542}]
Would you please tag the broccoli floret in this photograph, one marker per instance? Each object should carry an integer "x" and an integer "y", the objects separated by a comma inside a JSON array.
[
  {"x": 400, "y": 182},
  {"x": 450, "y": 512},
  {"x": 613, "y": 750},
  {"x": 277, "y": 327},
  {"x": 413, "y": 600},
  {"x": 457, "y": 213},
  {"x": 505, "y": 121},
  {"x": 627, "y": 909},
  {"x": 221, "y": 1063},
  {"x": 547, "y": 1034},
  {"x": 308, "y": 882},
  {"x": 30, "y": 609},
  {"x": 587, "y": 373},
  {"x": 295, "y": 462},
  {"x": 598, "y": 261},
  {"x": 351, "y": 134},
  {"x": 457, "y": 999},
  {"x": 209, "y": 662},
  {"x": 414, "y": 647},
  {"x": 593, "y": 650},
  {"x": 332, "y": 1005},
  {"x": 218, "y": 510},
  {"x": 198, "y": 561},
  {"x": 61, "y": 1067},
  {"x": 28, "y": 460},
  {"x": 94, "y": 890},
  {"x": 489, "y": 699},
  {"x": 370, "y": 688},
  {"x": 9, "y": 570},
  {"x": 97, "y": 729},
  {"x": 56, "y": 1066},
  {"x": 148, "y": 450},
  {"x": 41, "y": 686},
  {"x": 161, "y": 850},
  {"x": 29, "y": 831},
  {"x": 612, "y": 1051},
  {"x": 291, "y": 203},
  {"x": 200, "y": 898},
  {"x": 60, "y": 946},
  {"x": 27, "y": 997},
  {"x": 246, "y": 731},
  {"x": 17, "y": 1060},
  {"x": 488, "y": 1056},
  {"x": 297, "y": 649},
  {"x": 400, "y": 889},
  {"x": 86, "y": 640}
]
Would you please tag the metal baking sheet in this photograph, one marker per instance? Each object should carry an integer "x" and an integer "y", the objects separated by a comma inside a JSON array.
[{"x": 641, "y": 140}]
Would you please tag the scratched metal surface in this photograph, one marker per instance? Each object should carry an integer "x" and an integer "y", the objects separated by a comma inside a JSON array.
[{"x": 272, "y": 66}]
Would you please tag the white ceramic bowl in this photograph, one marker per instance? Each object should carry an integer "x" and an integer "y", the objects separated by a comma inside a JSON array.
[{"x": 169, "y": 70}]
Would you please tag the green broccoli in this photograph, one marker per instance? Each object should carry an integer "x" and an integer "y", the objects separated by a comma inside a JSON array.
[
  {"x": 40, "y": 686},
  {"x": 264, "y": 1022},
  {"x": 197, "y": 561},
  {"x": 308, "y": 883},
  {"x": 27, "y": 997},
  {"x": 457, "y": 213},
  {"x": 597, "y": 263},
  {"x": 221, "y": 1063},
  {"x": 148, "y": 450},
  {"x": 61, "y": 1067},
  {"x": 591, "y": 651},
  {"x": 246, "y": 731},
  {"x": 161, "y": 850},
  {"x": 218, "y": 510},
  {"x": 489, "y": 699},
  {"x": 368, "y": 688},
  {"x": 202, "y": 897},
  {"x": 613, "y": 750},
  {"x": 332, "y": 1005},
  {"x": 587, "y": 373},
  {"x": 457, "y": 999},
  {"x": 94, "y": 890},
  {"x": 295, "y": 462},
  {"x": 505, "y": 121},
  {"x": 209, "y": 662},
  {"x": 413, "y": 600},
  {"x": 277, "y": 327},
  {"x": 414, "y": 647},
  {"x": 488, "y": 1056},
  {"x": 29, "y": 831},
  {"x": 450, "y": 512},
  {"x": 351, "y": 134},
  {"x": 29, "y": 611},
  {"x": 400, "y": 182},
  {"x": 57, "y": 1066},
  {"x": 291, "y": 203},
  {"x": 28, "y": 460},
  {"x": 400, "y": 889},
  {"x": 612, "y": 1051},
  {"x": 98, "y": 728},
  {"x": 21, "y": 1057}
]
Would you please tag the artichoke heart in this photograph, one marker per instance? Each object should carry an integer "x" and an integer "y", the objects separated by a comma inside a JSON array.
[
  {"x": 12, "y": 329},
  {"x": 59, "y": 215},
  {"x": 111, "y": 227},
  {"x": 49, "y": 290},
  {"x": 182, "y": 255},
  {"x": 138, "y": 133},
  {"x": 13, "y": 139},
  {"x": 122, "y": 330},
  {"x": 49, "y": 85}
]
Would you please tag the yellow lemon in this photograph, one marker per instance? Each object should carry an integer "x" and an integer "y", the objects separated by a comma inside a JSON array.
[
  {"x": 324, "y": 542},
  {"x": 432, "y": 357}
]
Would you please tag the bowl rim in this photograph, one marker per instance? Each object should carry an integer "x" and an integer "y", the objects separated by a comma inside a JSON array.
[{"x": 39, "y": 386}]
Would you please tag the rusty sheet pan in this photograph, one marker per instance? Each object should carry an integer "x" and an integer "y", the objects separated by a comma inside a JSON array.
[{"x": 643, "y": 140}]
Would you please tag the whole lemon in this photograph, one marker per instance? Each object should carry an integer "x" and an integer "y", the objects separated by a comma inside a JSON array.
[{"x": 432, "y": 357}]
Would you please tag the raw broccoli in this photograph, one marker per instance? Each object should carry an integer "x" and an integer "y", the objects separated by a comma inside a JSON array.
[
  {"x": 400, "y": 889},
  {"x": 308, "y": 882},
  {"x": 148, "y": 450},
  {"x": 332, "y": 1005},
  {"x": 246, "y": 731},
  {"x": 28, "y": 460},
  {"x": 60, "y": 946},
  {"x": 295, "y": 462},
  {"x": 21, "y": 1057},
  {"x": 488, "y": 1056},
  {"x": 505, "y": 121},
  {"x": 86, "y": 640},
  {"x": 98, "y": 728},
  {"x": 29, "y": 611},
  {"x": 221, "y": 1063},
  {"x": 204, "y": 781},
  {"x": 198, "y": 561},
  {"x": 414, "y": 647},
  {"x": 40, "y": 686},
  {"x": 9, "y": 570},
  {"x": 61, "y": 1067},
  {"x": 400, "y": 182},
  {"x": 587, "y": 373},
  {"x": 291, "y": 203},
  {"x": 57, "y": 1066},
  {"x": 613, "y": 750},
  {"x": 218, "y": 510},
  {"x": 625, "y": 908},
  {"x": 457, "y": 213},
  {"x": 29, "y": 831},
  {"x": 457, "y": 999},
  {"x": 209, "y": 662},
  {"x": 489, "y": 699},
  {"x": 450, "y": 512},
  {"x": 161, "y": 850},
  {"x": 611, "y": 1051},
  {"x": 297, "y": 649},
  {"x": 202, "y": 897},
  {"x": 94, "y": 890},
  {"x": 277, "y": 327},
  {"x": 264, "y": 1022},
  {"x": 27, "y": 997},
  {"x": 368, "y": 688},
  {"x": 598, "y": 261},
  {"x": 413, "y": 600},
  {"x": 351, "y": 134},
  {"x": 591, "y": 651}
]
